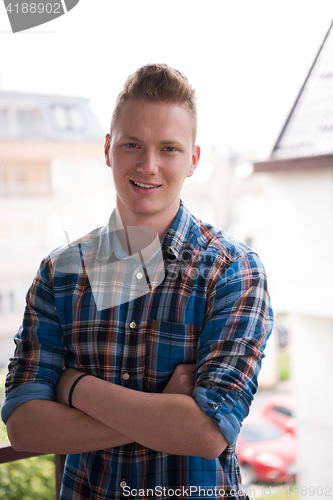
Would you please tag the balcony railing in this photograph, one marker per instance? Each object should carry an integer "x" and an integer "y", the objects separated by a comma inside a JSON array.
[{"x": 8, "y": 454}]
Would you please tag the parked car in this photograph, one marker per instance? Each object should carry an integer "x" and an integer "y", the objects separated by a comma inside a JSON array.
[
  {"x": 265, "y": 452},
  {"x": 279, "y": 409}
]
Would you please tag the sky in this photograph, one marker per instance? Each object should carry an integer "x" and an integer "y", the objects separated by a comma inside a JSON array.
[{"x": 247, "y": 59}]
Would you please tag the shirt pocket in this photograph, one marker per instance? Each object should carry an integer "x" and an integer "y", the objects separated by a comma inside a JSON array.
[{"x": 168, "y": 345}]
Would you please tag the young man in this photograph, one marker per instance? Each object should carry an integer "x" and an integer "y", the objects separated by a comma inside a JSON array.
[{"x": 162, "y": 344}]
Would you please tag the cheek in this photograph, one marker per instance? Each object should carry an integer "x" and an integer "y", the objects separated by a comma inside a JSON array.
[
  {"x": 177, "y": 170},
  {"x": 179, "y": 173},
  {"x": 120, "y": 174},
  {"x": 116, "y": 175},
  {"x": 116, "y": 165}
]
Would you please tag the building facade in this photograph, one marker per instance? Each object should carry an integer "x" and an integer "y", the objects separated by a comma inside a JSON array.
[
  {"x": 299, "y": 241},
  {"x": 53, "y": 184}
]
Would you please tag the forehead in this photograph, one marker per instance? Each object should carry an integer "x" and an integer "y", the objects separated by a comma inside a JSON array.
[{"x": 164, "y": 120}]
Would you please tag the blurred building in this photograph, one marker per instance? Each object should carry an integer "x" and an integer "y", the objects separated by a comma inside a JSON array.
[
  {"x": 51, "y": 152},
  {"x": 223, "y": 192},
  {"x": 206, "y": 193},
  {"x": 297, "y": 218}
]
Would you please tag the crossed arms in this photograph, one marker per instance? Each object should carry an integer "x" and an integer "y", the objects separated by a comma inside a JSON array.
[
  {"x": 230, "y": 348},
  {"x": 107, "y": 415}
]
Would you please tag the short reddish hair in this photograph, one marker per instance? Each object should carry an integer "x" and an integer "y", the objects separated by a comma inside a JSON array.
[{"x": 160, "y": 83}]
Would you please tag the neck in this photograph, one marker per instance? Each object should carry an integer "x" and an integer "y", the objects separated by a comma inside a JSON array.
[
  {"x": 134, "y": 236},
  {"x": 136, "y": 232}
]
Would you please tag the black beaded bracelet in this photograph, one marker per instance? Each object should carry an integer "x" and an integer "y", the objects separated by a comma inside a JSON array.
[{"x": 70, "y": 395}]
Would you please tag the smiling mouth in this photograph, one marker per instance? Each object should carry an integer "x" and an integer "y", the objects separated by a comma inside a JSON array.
[{"x": 146, "y": 186}]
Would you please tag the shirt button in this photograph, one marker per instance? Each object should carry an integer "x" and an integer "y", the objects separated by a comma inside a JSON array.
[
  {"x": 132, "y": 325},
  {"x": 126, "y": 376},
  {"x": 215, "y": 406},
  {"x": 139, "y": 275},
  {"x": 122, "y": 484}
]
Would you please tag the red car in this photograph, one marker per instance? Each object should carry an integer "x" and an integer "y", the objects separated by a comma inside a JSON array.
[
  {"x": 279, "y": 410},
  {"x": 265, "y": 452}
]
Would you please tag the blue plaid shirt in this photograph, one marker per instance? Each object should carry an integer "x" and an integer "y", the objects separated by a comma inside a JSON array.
[{"x": 212, "y": 308}]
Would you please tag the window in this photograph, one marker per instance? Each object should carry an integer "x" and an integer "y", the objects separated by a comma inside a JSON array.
[
  {"x": 67, "y": 117},
  {"x": 260, "y": 431},
  {"x": 283, "y": 410},
  {"x": 29, "y": 121},
  {"x": 11, "y": 301},
  {"x": 4, "y": 118},
  {"x": 7, "y": 302},
  {"x": 60, "y": 117},
  {"x": 24, "y": 178},
  {"x": 76, "y": 117}
]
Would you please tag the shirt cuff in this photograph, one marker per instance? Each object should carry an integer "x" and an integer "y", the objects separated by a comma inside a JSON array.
[
  {"x": 219, "y": 408},
  {"x": 23, "y": 393}
]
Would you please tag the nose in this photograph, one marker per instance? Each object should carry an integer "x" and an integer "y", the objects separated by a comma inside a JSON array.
[{"x": 148, "y": 163}]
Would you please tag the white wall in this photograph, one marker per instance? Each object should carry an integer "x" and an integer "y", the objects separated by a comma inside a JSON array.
[
  {"x": 312, "y": 371},
  {"x": 299, "y": 222},
  {"x": 289, "y": 215}
]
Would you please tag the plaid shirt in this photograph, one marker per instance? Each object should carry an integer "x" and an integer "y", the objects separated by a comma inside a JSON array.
[{"x": 211, "y": 308}]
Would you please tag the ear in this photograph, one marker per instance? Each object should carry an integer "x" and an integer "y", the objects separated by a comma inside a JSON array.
[
  {"x": 107, "y": 149},
  {"x": 195, "y": 161}
]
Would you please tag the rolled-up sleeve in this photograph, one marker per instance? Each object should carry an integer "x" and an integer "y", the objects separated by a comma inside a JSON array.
[
  {"x": 231, "y": 346},
  {"x": 23, "y": 393},
  {"x": 36, "y": 366}
]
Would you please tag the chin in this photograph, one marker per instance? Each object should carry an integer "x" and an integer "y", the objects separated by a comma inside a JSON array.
[{"x": 145, "y": 208}]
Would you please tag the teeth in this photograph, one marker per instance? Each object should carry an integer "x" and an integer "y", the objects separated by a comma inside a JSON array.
[{"x": 143, "y": 185}]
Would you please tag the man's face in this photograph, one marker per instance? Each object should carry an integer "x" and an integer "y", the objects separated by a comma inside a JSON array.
[{"x": 151, "y": 154}]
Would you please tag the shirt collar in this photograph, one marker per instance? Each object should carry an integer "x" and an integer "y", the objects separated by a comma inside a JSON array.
[
  {"x": 177, "y": 233},
  {"x": 174, "y": 238}
]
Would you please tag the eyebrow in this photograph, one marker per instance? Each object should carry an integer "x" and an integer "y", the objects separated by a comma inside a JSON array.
[
  {"x": 131, "y": 138},
  {"x": 164, "y": 143},
  {"x": 174, "y": 142}
]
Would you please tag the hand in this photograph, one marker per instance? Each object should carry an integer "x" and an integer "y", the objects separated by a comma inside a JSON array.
[
  {"x": 65, "y": 383},
  {"x": 181, "y": 381}
]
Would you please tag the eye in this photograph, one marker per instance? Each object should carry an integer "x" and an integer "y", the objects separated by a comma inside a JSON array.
[
  {"x": 131, "y": 145},
  {"x": 169, "y": 149}
]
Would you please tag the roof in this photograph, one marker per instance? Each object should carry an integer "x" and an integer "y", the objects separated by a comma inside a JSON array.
[
  {"x": 31, "y": 116},
  {"x": 308, "y": 130}
]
